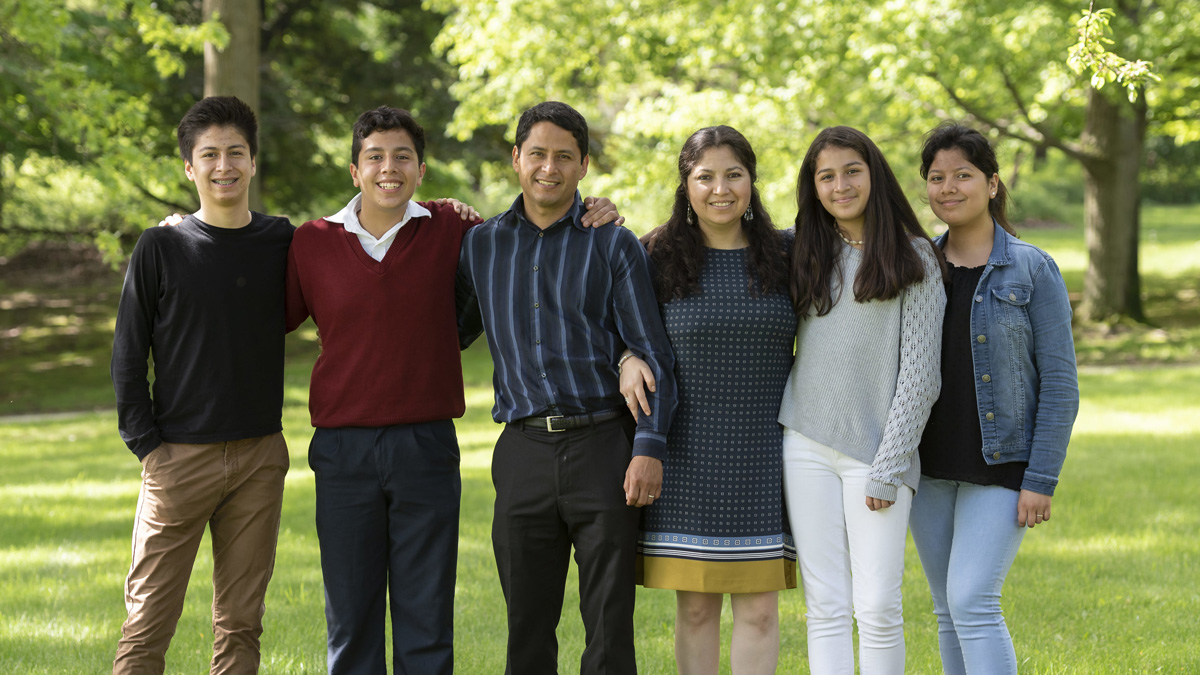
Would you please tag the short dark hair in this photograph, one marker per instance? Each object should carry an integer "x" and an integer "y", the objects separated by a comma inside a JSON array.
[
  {"x": 560, "y": 115},
  {"x": 978, "y": 150},
  {"x": 386, "y": 118},
  {"x": 217, "y": 111}
]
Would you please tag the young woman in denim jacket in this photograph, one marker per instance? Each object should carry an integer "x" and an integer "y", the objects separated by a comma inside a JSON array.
[{"x": 997, "y": 436}]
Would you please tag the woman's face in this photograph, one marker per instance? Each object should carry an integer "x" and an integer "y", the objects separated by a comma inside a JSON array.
[
  {"x": 843, "y": 184},
  {"x": 719, "y": 188},
  {"x": 959, "y": 191}
]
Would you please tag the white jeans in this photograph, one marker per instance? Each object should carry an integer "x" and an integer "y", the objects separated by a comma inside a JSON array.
[{"x": 851, "y": 559}]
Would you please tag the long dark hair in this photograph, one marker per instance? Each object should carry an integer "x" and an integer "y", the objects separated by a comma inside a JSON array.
[
  {"x": 677, "y": 247},
  {"x": 890, "y": 263},
  {"x": 978, "y": 151}
]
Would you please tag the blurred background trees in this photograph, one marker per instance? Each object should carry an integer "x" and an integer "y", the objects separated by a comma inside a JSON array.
[{"x": 90, "y": 92}]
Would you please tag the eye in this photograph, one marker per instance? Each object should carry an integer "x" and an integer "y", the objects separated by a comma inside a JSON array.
[
  {"x": 964, "y": 176},
  {"x": 374, "y": 157},
  {"x": 935, "y": 179},
  {"x": 735, "y": 174}
]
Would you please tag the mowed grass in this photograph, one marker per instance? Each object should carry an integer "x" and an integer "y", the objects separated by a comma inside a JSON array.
[{"x": 1109, "y": 586}]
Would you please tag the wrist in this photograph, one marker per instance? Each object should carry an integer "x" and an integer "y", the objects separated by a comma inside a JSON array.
[{"x": 623, "y": 359}]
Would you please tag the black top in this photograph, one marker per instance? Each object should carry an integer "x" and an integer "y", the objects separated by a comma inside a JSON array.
[
  {"x": 207, "y": 303},
  {"x": 952, "y": 446}
]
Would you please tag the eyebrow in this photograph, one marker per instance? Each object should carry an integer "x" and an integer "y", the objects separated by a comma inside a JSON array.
[
  {"x": 377, "y": 148},
  {"x": 545, "y": 149},
  {"x": 214, "y": 147},
  {"x": 857, "y": 162}
]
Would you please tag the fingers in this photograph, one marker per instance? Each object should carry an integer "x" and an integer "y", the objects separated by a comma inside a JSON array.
[
  {"x": 643, "y": 481},
  {"x": 632, "y": 404},
  {"x": 642, "y": 401},
  {"x": 876, "y": 504},
  {"x": 619, "y": 221}
]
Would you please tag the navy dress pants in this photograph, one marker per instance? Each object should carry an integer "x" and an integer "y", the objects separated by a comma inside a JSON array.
[
  {"x": 555, "y": 490},
  {"x": 387, "y": 520}
]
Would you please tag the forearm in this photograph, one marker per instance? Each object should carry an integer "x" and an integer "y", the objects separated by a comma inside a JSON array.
[{"x": 918, "y": 383}]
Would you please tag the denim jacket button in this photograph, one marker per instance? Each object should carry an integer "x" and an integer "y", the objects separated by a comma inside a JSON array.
[
  {"x": 981, "y": 339},
  {"x": 995, "y": 455},
  {"x": 979, "y": 298},
  {"x": 1012, "y": 297},
  {"x": 986, "y": 378},
  {"x": 990, "y": 416}
]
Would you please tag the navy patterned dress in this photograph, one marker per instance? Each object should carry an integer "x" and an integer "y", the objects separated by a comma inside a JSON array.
[{"x": 719, "y": 525}]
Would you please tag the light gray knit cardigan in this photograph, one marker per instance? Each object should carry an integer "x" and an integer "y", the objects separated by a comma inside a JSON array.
[{"x": 867, "y": 374}]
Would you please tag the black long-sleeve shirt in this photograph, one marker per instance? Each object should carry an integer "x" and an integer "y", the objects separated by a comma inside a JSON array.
[{"x": 208, "y": 304}]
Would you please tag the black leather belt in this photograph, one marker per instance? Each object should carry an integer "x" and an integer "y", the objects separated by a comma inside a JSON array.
[{"x": 555, "y": 423}]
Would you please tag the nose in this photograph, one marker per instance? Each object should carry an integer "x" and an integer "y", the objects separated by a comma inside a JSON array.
[{"x": 720, "y": 186}]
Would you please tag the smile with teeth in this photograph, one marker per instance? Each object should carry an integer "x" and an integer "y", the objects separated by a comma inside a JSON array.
[
  {"x": 224, "y": 181},
  {"x": 720, "y": 205},
  {"x": 546, "y": 183},
  {"x": 388, "y": 186}
]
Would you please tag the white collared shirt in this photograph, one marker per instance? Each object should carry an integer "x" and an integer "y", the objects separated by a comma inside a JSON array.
[{"x": 376, "y": 248}]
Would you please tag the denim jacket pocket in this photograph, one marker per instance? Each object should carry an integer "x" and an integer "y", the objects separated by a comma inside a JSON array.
[{"x": 1013, "y": 303}]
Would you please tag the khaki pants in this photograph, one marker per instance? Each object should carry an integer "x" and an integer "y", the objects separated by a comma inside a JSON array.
[{"x": 236, "y": 489}]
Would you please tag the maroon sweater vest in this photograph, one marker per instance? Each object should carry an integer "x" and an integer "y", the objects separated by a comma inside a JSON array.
[{"x": 389, "y": 337}]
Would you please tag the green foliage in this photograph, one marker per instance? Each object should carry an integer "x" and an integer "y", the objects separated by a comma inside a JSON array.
[{"x": 1090, "y": 54}]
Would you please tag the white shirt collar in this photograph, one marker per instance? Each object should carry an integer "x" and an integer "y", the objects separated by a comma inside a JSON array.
[{"x": 376, "y": 248}]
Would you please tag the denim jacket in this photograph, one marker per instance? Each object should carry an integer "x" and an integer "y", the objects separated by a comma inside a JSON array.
[{"x": 1024, "y": 359}]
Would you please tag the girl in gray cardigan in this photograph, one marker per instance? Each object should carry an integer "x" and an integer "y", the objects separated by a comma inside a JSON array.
[{"x": 867, "y": 286}]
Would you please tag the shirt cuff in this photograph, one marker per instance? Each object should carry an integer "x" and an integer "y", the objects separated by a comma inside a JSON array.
[
  {"x": 650, "y": 445},
  {"x": 884, "y": 491},
  {"x": 145, "y": 444}
]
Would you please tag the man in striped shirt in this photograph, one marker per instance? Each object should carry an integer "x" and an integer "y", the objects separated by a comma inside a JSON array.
[{"x": 559, "y": 303}]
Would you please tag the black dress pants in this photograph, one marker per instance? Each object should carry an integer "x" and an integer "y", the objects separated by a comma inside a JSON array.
[{"x": 555, "y": 490}]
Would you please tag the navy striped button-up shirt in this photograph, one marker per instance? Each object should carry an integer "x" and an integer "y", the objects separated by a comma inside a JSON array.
[{"x": 559, "y": 306}]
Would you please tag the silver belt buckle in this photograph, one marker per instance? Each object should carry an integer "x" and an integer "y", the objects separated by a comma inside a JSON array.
[{"x": 550, "y": 423}]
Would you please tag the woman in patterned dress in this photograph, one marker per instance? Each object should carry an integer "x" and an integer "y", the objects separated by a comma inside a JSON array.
[{"x": 719, "y": 526}]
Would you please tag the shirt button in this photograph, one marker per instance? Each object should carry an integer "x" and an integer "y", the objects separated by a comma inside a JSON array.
[
  {"x": 990, "y": 416},
  {"x": 1012, "y": 297},
  {"x": 979, "y": 298},
  {"x": 981, "y": 339},
  {"x": 537, "y": 342},
  {"x": 995, "y": 455},
  {"x": 541, "y": 234},
  {"x": 544, "y": 377},
  {"x": 535, "y": 268},
  {"x": 536, "y": 305},
  {"x": 986, "y": 378}
]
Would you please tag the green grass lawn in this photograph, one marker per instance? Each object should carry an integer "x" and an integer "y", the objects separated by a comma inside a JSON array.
[{"x": 1110, "y": 586}]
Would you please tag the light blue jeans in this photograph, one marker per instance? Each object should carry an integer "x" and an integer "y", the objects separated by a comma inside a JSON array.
[{"x": 967, "y": 536}]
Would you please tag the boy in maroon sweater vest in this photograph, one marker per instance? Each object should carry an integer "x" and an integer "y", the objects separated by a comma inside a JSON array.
[{"x": 378, "y": 278}]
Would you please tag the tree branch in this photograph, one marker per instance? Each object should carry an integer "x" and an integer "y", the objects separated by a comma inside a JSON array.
[
  {"x": 1026, "y": 132},
  {"x": 178, "y": 208}
]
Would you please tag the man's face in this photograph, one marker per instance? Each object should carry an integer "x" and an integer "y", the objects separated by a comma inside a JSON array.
[
  {"x": 549, "y": 167},
  {"x": 221, "y": 167},
  {"x": 388, "y": 173}
]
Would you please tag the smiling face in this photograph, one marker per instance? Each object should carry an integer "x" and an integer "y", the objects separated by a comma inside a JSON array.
[
  {"x": 221, "y": 167},
  {"x": 549, "y": 167},
  {"x": 959, "y": 191},
  {"x": 843, "y": 185},
  {"x": 719, "y": 190},
  {"x": 388, "y": 173}
]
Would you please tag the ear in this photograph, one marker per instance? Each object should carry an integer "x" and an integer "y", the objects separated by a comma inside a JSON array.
[
  {"x": 585, "y": 166},
  {"x": 516, "y": 159},
  {"x": 189, "y": 171},
  {"x": 994, "y": 183},
  {"x": 421, "y": 174},
  {"x": 354, "y": 175},
  {"x": 253, "y": 167}
]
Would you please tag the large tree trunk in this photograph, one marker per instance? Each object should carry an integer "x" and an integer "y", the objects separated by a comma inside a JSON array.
[
  {"x": 1115, "y": 132},
  {"x": 234, "y": 71}
]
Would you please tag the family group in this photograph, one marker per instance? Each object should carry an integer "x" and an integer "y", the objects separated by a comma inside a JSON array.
[{"x": 698, "y": 410}]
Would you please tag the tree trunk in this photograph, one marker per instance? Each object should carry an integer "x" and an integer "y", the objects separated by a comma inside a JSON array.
[
  {"x": 1115, "y": 134},
  {"x": 234, "y": 71}
]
